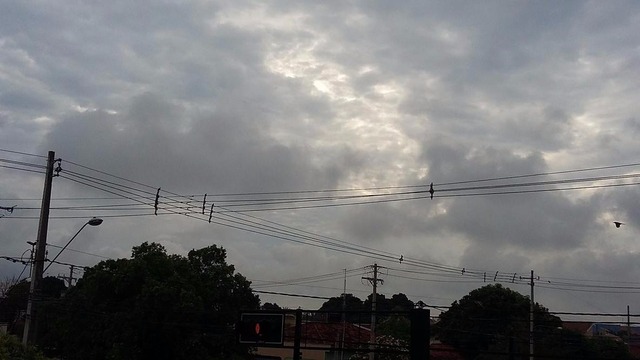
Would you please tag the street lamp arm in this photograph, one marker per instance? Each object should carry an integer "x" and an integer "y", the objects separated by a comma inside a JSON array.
[
  {"x": 92, "y": 222},
  {"x": 64, "y": 247}
]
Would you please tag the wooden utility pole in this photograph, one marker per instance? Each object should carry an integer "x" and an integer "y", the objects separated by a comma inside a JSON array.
[
  {"x": 344, "y": 315},
  {"x": 531, "y": 308},
  {"x": 30, "y": 325},
  {"x": 68, "y": 279},
  {"x": 374, "y": 282},
  {"x": 628, "y": 328}
]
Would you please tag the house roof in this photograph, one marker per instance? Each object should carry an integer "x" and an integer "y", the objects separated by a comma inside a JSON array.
[
  {"x": 614, "y": 329},
  {"x": 579, "y": 326},
  {"x": 320, "y": 333}
]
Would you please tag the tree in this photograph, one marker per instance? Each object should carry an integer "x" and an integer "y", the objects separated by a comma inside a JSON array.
[
  {"x": 14, "y": 304},
  {"x": 270, "y": 306},
  {"x": 400, "y": 302},
  {"x": 11, "y": 348},
  {"x": 7, "y": 284},
  {"x": 492, "y": 322},
  {"x": 354, "y": 308},
  {"x": 153, "y": 305}
]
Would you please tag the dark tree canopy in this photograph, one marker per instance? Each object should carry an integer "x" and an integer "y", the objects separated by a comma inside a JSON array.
[
  {"x": 488, "y": 319},
  {"x": 153, "y": 306},
  {"x": 11, "y": 348},
  {"x": 270, "y": 306},
  {"x": 359, "y": 311},
  {"x": 15, "y": 301},
  {"x": 492, "y": 322}
]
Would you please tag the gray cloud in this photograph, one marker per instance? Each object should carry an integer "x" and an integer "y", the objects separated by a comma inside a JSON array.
[{"x": 242, "y": 97}]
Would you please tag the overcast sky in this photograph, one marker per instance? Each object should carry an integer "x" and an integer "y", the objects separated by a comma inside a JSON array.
[{"x": 277, "y": 100}]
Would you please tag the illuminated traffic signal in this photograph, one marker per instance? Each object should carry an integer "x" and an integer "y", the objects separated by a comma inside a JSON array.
[{"x": 261, "y": 328}]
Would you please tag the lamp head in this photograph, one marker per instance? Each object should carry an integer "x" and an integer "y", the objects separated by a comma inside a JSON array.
[{"x": 95, "y": 221}]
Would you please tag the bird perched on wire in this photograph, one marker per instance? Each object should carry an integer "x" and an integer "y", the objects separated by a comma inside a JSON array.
[{"x": 618, "y": 223}]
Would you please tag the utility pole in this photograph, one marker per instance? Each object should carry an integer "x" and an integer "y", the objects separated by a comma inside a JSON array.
[
  {"x": 71, "y": 275},
  {"x": 531, "y": 357},
  {"x": 31, "y": 324},
  {"x": 374, "y": 282},
  {"x": 344, "y": 314},
  {"x": 69, "y": 278},
  {"x": 628, "y": 328}
]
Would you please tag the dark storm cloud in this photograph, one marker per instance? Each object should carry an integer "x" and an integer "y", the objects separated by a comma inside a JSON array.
[
  {"x": 546, "y": 130},
  {"x": 23, "y": 100},
  {"x": 526, "y": 221},
  {"x": 626, "y": 207},
  {"x": 215, "y": 151}
]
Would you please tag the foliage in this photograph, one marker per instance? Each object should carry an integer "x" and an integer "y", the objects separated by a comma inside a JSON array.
[
  {"x": 6, "y": 284},
  {"x": 389, "y": 343},
  {"x": 153, "y": 305},
  {"x": 270, "y": 306},
  {"x": 358, "y": 311},
  {"x": 353, "y": 306},
  {"x": 14, "y": 303},
  {"x": 492, "y": 322},
  {"x": 396, "y": 326},
  {"x": 398, "y": 302},
  {"x": 12, "y": 349},
  {"x": 607, "y": 348}
]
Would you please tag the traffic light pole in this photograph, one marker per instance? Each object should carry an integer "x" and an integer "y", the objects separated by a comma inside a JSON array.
[{"x": 297, "y": 355}]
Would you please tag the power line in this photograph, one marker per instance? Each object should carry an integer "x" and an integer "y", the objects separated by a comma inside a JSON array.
[
  {"x": 21, "y": 169},
  {"x": 292, "y": 234},
  {"x": 310, "y": 279},
  {"x": 254, "y": 227},
  {"x": 292, "y": 295},
  {"x": 607, "y": 167},
  {"x": 22, "y": 153},
  {"x": 80, "y": 252},
  {"x": 286, "y": 235}
]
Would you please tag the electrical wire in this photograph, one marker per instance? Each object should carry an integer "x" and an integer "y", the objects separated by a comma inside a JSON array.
[
  {"x": 291, "y": 295},
  {"x": 309, "y": 280},
  {"x": 262, "y": 228},
  {"x": 22, "y": 153},
  {"x": 270, "y": 229},
  {"x": 79, "y": 252}
]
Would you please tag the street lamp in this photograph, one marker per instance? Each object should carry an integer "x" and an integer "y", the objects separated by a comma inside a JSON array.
[
  {"x": 36, "y": 276},
  {"x": 93, "y": 222}
]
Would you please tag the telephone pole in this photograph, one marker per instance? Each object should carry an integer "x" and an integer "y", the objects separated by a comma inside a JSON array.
[
  {"x": 344, "y": 315},
  {"x": 30, "y": 324},
  {"x": 531, "y": 308},
  {"x": 374, "y": 282},
  {"x": 68, "y": 279}
]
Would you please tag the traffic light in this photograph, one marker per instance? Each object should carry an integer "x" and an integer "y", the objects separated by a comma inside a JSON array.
[{"x": 261, "y": 328}]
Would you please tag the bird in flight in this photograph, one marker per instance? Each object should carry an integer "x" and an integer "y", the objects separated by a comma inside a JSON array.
[{"x": 618, "y": 223}]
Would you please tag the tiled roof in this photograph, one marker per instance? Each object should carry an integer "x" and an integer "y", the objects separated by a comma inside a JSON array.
[
  {"x": 320, "y": 333},
  {"x": 579, "y": 326}
]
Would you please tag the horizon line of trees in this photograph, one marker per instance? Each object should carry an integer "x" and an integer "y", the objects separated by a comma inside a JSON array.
[{"x": 162, "y": 306}]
